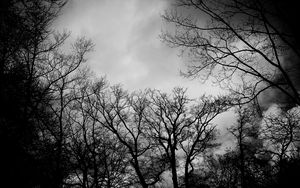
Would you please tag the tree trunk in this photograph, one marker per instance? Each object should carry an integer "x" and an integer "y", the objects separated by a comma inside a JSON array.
[
  {"x": 139, "y": 173},
  {"x": 186, "y": 173},
  {"x": 173, "y": 168}
]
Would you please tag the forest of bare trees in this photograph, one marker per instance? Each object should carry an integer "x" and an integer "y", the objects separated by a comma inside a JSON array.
[{"x": 62, "y": 126}]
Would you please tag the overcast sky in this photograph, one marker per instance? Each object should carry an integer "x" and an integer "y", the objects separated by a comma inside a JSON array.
[{"x": 128, "y": 49}]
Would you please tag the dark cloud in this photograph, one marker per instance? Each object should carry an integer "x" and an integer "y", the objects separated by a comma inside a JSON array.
[{"x": 291, "y": 65}]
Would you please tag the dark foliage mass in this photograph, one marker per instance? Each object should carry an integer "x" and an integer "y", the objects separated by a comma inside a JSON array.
[
  {"x": 62, "y": 127},
  {"x": 24, "y": 27}
]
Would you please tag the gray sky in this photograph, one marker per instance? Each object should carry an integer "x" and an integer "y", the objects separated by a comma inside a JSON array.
[{"x": 128, "y": 49}]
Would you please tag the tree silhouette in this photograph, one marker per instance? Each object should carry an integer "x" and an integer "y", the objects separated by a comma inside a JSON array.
[
  {"x": 23, "y": 33},
  {"x": 60, "y": 126},
  {"x": 251, "y": 165},
  {"x": 123, "y": 115},
  {"x": 280, "y": 132},
  {"x": 176, "y": 127},
  {"x": 61, "y": 80},
  {"x": 247, "y": 46},
  {"x": 98, "y": 159}
]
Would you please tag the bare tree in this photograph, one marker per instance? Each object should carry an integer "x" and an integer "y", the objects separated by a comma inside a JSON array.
[
  {"x": 98, "y": 158},
  {"x": 25, "y": 30},
  {"x": 246, "y": 133},
  {"x": 281, "y": 134},
  {"x": 123, "y": 115},
  {"x": 201, "y": 135},
  {"x": 60, "y": 78},
  {"x": 176, "y": 127},
  {"x": 248, "y": 46}
]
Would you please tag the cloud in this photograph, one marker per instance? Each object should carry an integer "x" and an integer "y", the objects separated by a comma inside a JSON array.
[
  {"x": 128, "y": 49},
  {"x": 290, "y": 64}
]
